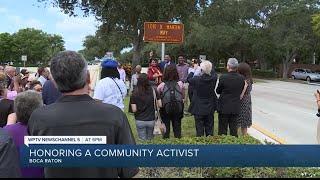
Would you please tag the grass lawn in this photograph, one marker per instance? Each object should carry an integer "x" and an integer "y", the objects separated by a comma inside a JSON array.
[{"x": 188, "y": 124}]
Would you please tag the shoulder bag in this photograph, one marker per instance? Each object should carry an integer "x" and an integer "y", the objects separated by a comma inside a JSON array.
[{"x": 159, "y": 127}]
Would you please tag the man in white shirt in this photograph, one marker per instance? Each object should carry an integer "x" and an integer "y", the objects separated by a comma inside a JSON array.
[{"x": 43, "y": 75}]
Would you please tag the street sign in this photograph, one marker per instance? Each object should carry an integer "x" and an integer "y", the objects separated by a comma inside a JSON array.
[
  {"x": 24, "y": 58},
  {"x": 163, "y": 32}
]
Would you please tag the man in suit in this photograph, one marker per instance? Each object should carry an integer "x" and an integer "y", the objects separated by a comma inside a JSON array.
[
  {"x": 203, "y": 104},
  {"x": 230, "y": 87},
  {"x": 167, "y": 61}
]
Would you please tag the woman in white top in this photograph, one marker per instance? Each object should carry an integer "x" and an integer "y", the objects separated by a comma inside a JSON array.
[{"x": 110, "y": 89}]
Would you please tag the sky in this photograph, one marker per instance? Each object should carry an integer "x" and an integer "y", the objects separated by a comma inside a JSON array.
[{"x": 18, "y": 14}]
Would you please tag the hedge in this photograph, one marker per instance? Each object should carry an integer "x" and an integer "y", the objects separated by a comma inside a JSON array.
[
  {"x": 222, "y": 172},
  {"x": 255, "y": 73},
  {"x": 263, "y": 74}
]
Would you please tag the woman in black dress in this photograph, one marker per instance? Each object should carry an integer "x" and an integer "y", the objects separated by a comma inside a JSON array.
[{"x": 245, "y": 116}]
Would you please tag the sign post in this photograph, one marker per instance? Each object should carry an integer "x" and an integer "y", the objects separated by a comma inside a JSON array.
[
  {"x": 163, "y": 50},
  {"x": 163, "y": 33},
  {"x": 24, "y": 59}
]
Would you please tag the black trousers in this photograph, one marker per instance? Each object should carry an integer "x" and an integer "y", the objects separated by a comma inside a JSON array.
[
  {"x": 228, "y": 120},
  {"x": 204, "y": 125},
  {"x": 176, "y": 125}
]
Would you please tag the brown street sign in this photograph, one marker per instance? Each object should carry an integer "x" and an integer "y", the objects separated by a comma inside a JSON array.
[{"x": 163, "y": 32}]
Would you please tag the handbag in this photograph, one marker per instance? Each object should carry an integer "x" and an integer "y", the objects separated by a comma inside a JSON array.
[{"x": 159, "y": 127}]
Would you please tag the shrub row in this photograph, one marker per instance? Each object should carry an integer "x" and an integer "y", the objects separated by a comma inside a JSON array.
[
  {"x": 222, "y": 172},
  {"x": 255, "y": 73}
]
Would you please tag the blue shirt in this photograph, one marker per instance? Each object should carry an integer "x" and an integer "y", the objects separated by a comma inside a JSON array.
[{"x": 50, "y": 94}]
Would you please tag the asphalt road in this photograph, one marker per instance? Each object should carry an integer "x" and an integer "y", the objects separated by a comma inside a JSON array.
[{"x": 288, "y": 110}]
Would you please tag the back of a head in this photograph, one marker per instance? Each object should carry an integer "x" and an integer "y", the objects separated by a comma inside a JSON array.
[
  {"x": 9, "y": 70},
  {"x": 25, "y": 103},
  {"x": 69, "y": 71},
  {"x": 233, "y": 63},
  {"x": 109, "y": 69},
  {"x": 206, "y": 67},
  {"x": 34, "y": 83},
  {"x": 245, "y": 70},
  {"x": 138, "y": 68},
  {"x": 142, "y": 85},
  {"x": 171, "y": 73},
  {"x": 3, "y": 83},
  {"x": 41, "y": 70}
]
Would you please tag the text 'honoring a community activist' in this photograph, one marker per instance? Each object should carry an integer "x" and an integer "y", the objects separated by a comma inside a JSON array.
[{"x": 41, "y": 153}]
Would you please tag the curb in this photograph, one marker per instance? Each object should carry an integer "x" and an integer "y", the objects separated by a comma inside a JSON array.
[{"x": 269, "y": 134}]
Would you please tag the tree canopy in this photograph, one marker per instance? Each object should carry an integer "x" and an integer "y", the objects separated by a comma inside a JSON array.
[
  {"x": 124, "y": 19},
  {"x": 36, "y": 44},
  {"x": 270, "y": 32}
]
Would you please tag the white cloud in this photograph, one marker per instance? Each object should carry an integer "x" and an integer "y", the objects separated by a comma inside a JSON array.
[
  {"x": 34, "y": 23},
  {"x": 3, "y": 10},
  {"x": 19, "y": 22},
  {"x": 73, "y": 29},
  {"x": 77, "y": 24}
]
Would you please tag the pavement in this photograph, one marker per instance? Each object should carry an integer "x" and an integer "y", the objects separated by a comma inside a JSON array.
[{"x": 284, "y": 112}]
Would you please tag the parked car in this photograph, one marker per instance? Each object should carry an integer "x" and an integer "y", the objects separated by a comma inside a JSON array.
[{"x": 305, "y": 74}]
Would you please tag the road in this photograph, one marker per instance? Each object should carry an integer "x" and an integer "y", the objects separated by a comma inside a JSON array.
[{"x": 287, "y": 110}]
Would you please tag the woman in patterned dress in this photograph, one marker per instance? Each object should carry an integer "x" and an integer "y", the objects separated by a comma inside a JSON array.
[{"x": 245, "y": 115}]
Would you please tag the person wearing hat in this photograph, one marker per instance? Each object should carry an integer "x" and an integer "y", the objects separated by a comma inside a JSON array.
[{"x": 110, "y": 89}]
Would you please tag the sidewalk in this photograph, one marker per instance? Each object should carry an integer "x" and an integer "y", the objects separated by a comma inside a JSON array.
[{"x": 264, "y": 135}]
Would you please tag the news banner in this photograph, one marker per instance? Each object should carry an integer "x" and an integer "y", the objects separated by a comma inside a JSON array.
[{"x": 93, "y": 151}]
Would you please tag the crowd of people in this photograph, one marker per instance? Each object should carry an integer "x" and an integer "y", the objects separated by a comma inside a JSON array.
[
  {"x": 58, "y": 103},
  {"x": 194, "y": 88}
]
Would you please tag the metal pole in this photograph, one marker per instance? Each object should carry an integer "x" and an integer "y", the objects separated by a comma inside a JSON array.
[{"x": 163, "y": 49}]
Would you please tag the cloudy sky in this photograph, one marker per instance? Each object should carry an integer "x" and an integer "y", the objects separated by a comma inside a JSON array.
[{"x": 18, "y": 14}]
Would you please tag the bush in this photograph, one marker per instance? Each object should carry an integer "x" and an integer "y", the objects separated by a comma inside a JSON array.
[
  {"x": 263, "y": 74},
  {"x": 255, "y": 73},
  {"x": 222, "y": 172},
  {"x": 206, "y": 140}
]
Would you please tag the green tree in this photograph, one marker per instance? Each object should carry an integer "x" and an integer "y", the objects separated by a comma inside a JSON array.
[
  {"x": 291, "y": 31},
  {"x": 126, "y": 18},
  {"x": 6, "y": 48},
  {"x": 56, "y": 44},
  {"x": 275, "y": 32},
  {"x": 36, "y": 44}
]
